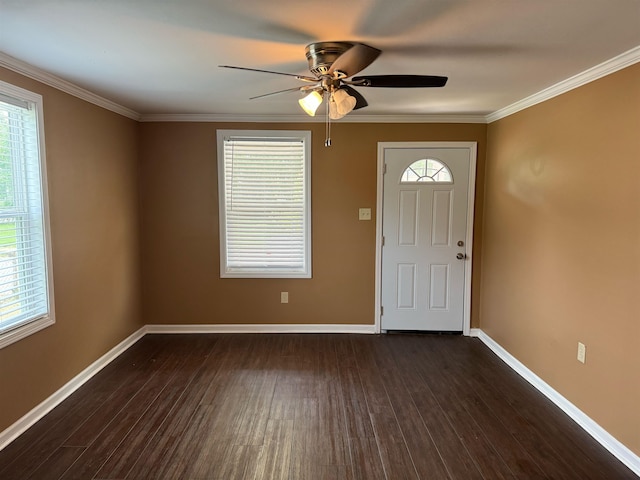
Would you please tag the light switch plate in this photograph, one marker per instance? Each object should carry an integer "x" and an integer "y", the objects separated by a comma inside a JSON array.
[
  {"x": 364, "y": 214},
  {"x": 582, "y": 352}
]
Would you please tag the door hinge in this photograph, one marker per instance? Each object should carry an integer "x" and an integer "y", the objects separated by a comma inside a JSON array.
[
  {"x": 381, "y": 310},
  {"x": 383, "y": 240},
  {"x": 384, "y": 168}
]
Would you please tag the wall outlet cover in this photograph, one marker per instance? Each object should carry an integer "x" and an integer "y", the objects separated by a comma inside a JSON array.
[{"x": 364, "y": 214}]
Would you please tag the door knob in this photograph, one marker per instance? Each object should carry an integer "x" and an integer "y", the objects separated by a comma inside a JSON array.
[{"x": 461, "y": 256}]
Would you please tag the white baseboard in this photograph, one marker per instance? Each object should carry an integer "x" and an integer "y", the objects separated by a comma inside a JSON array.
[
  {"x": 15, "y": 430},
  {"x": 620, "y": 451},
  {"x": 28, "y": 420},
  {"x": 624, "y": 454},
  {"x": 297, "y": 328}
]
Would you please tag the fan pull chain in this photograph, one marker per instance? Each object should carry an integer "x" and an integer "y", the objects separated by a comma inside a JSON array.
[{"x": 327, "y": 140}]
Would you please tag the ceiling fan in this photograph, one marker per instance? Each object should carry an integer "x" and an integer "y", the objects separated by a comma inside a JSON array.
[{"x": 334, "y": 65}]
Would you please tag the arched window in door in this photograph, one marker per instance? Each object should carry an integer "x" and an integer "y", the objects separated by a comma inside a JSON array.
[{"x": 427, "y": 170}]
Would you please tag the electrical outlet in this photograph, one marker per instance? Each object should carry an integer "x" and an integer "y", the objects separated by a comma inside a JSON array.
[
  {"x": 284, "y": 297},
  {"x": 364, "y": 214},
  {"x": 582, "y": 352}
]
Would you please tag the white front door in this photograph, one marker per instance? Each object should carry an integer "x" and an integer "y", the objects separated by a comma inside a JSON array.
[{"x": 424, "y": 228}]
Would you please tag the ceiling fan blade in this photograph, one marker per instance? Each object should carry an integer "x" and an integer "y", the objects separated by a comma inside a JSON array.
[
  {"x": 357, "y": 58},
  {"x": 295, "y": 89},
  {"x": 400, "y": 81},
  {"x": 299, "y": 77},
  {"x": 360, "y": 101}
]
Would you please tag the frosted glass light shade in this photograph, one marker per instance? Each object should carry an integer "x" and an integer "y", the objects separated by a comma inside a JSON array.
[
  {"x": 343, "y": 102},
  {"x": 334, "y": 114},
  {"x": 310, "y": 103}
]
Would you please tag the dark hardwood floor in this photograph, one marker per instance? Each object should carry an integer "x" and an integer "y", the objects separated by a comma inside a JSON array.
[{"x": 307, "y": 406}]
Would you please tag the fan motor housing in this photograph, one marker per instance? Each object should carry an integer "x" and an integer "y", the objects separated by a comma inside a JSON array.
[{"x": 321, "y": 55}]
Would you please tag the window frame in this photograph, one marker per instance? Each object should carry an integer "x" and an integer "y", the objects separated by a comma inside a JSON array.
[
  {"x": 32, "y": 325},
  {"x": 265, "y": 272}
]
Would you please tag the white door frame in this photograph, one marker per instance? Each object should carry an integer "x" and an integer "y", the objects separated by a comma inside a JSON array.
[{"x": 473, "y": 151}]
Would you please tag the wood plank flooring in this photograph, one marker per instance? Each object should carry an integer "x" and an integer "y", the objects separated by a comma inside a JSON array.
[{"x": 298, "y": 407}]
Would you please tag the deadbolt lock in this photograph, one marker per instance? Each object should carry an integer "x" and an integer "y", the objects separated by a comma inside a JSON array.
[{"x": 460, "y": 243}]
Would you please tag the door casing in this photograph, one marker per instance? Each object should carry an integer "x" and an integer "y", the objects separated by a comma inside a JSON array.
[{"x": 473, "y": 151}]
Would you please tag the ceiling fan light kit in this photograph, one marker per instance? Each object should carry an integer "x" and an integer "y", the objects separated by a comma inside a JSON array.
[
  {"x": 341, "y": 104},
  {"x": 332, "y": 64},
  {"x": 310, "y": 103}
]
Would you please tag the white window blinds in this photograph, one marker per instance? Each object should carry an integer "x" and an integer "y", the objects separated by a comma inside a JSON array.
[
  {"x": 264, "y": 204},
  {"x": 24, "y": 287}
]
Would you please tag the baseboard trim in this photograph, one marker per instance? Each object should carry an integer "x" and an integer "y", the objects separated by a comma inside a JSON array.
[
  {"x": 247, "y": 328},
  {"x": 608, "y": 441},
  {"x": 28, "y": 420},
  {"x": 620, "y": 451},
  {"x": 474, "y": 332}
]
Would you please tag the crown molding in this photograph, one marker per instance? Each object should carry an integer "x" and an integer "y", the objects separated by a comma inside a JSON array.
[
  {"x": 40, "y": 75},
  {"x": 35, "y": 73},
  {"x": 623, "y": 60},
  {"x": 231, "y": 118},
  {"x": 606, "y": 68}
]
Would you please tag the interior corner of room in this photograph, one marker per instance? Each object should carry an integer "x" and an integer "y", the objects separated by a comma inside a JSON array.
[{"x": 556, "y": 252}]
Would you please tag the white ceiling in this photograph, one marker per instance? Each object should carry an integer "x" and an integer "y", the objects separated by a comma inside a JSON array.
[{"x": 162, "y": 56}]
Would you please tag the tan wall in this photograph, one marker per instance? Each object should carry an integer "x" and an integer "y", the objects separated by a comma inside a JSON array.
[
  {"x": 180, "y": 246},
  {"x": 92, "y": 170},
  {"x": 561, "y": 256}
]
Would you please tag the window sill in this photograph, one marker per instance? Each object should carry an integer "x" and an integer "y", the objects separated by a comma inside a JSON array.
[{"x": 24, "y": 331}]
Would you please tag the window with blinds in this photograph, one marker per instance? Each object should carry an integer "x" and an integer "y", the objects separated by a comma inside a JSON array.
[
  {"x": 25, "y": 273},
  {"x": 264, "y": 197}
]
